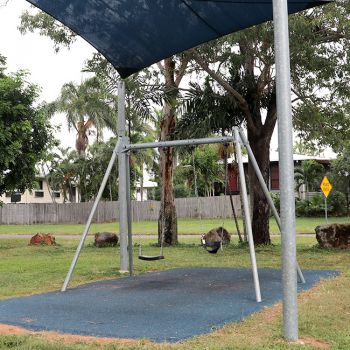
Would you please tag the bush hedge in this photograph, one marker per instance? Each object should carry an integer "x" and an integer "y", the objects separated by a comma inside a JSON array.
[{"x": 315, "y": 206}]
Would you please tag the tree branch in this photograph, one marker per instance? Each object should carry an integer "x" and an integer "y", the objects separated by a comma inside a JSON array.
[
  {"x": 263, "y": 79},
  {"x": 182, "y": 70},
  {"x": 243, "y": 105},
  {"x": 160, "y": 67}
]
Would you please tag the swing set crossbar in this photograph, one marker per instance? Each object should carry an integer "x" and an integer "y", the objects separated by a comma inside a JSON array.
[{"x": 177, "y": 143}]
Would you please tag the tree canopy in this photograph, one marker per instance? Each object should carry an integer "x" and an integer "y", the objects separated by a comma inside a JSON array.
[
  {"x": 241, "y": 74},
  {"x": 87, "y": 105},
  {"x": 25, "y": 131}
]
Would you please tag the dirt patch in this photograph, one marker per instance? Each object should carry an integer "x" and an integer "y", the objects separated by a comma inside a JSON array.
[
  {"x": 271, "y": 313},
  {"x": 315, "y": 343},
  {"x": 68, "y": 338}
]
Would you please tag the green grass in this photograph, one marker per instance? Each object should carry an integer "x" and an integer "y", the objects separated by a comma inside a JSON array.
[
  {"x": 324, "y": 311},
  {"x": 185, "y": 226}
]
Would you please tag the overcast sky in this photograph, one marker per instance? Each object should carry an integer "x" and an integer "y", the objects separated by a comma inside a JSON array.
[
  {"x": 35, "y": 53},
  {"x": 48, "y": 69}
]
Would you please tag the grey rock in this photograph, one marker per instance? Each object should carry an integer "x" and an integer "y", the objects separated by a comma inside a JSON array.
[
  {"x": 217, "y": 235},
  {"x": 105, "y": 239},
  {"x": 333, "y": 236}
]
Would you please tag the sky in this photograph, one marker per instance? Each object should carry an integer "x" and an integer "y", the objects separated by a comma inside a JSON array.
[
  {"x": 47, "y": 69},
  {"x": 35, "y": 53}
]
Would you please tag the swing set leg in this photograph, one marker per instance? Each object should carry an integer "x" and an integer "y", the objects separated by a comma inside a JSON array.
[{"x": 88, "y": 223}]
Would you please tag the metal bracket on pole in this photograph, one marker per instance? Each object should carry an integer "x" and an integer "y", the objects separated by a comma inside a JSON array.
[
  {"x": 247, "y": 217},
  {"x": 266, "y": 191},
  {"x": 93, "y": 210}
]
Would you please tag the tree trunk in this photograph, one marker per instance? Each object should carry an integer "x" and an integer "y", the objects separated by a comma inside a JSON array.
[
  {"x": 167, "y": 222},
  {"x": 260, "y": 144},
  {"x": 82, "y": 140}
]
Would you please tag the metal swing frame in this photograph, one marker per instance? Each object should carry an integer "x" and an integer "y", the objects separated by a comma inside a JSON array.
[{"x": 122, "y": 150}]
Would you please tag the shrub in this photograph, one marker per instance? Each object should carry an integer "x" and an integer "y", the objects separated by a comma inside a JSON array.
[
  {"x": 312, "y": 207},
  {"x": 276, "y": 200},
  {"x": 181, "y": 191},
  {"x": 337, "y": 202}
]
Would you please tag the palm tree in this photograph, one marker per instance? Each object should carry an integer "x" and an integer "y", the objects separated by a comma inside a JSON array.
[
  {"x": 87, "y": 105},
  {"x": 63, "y": 175},
  {"x": 309, "y": 173}
]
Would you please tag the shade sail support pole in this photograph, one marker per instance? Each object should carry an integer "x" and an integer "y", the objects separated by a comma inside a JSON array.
[
  {"x": 286, "y": 170},
  {"x": 129, "y": 212},
  {"x": 122, "y": 186}
]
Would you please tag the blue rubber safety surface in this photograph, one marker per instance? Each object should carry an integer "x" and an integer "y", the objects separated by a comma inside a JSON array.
[{"x": 162, "y": 306}]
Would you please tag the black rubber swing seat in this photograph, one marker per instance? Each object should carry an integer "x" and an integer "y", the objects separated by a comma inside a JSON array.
[
  {"x": 151, "y": 257},
  {"x": 212, "y": 247}
]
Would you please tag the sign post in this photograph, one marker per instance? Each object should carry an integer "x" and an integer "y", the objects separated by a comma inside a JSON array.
[{"x": 326, "y": 188}]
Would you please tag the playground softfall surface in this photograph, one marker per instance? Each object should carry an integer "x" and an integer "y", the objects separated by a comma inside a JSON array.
[{"x": 165, "y": 306}]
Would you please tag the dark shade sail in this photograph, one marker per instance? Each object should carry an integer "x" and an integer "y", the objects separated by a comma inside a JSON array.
[{"x": 133, "y": 34}]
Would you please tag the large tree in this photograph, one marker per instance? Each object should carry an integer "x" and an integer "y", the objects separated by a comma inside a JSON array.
[
  {"x": 173, "y": 70},
  {"x": 241, "y": 67},
  {"x": 25, "y": 131},
  {"x": 143, "y": 89}
]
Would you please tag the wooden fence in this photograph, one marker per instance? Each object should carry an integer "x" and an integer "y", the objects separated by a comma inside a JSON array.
[{"x": 204, "y": 207}]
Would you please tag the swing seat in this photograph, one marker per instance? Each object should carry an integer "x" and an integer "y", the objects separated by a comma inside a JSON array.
[
  {"x": 151, "y": 257},
  {"x": 211, "y": 247}
]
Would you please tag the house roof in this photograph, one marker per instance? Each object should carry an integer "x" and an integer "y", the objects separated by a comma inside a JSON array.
[
  {"x": 274, "y": 157},
  {"x": 133, "y": 34}
]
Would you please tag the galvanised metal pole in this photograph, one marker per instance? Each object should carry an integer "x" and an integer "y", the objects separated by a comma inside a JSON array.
[
  {"x": 247, "y": 217},
  {"x": 128, "y": 199},
  {"x": 175, "y": 143},
  {"x": 122, "y": 189},
  {"x": 286, "y": 170},
  {"x": 266, "y": 191},
  {"x": 88, "y": 223}
]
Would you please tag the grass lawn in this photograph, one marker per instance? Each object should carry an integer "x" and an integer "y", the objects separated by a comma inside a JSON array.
[
  {"x": 324, "y": 312},
  {"x": 185, "y": 226}
]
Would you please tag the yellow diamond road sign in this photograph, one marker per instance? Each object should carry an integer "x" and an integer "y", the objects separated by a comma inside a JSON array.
[{"x": 326, "y": 186}]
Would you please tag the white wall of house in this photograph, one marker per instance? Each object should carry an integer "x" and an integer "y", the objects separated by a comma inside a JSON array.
[
  {"x": 40, "y": 195},
  {"x": 147, "y": 187}
]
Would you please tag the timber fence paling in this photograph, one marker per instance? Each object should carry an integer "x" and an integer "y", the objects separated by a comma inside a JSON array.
[
  {"x": 145, "y": 210},
  {"x": 57, "y": 213},
  {"x": 206, "y": 207}
]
